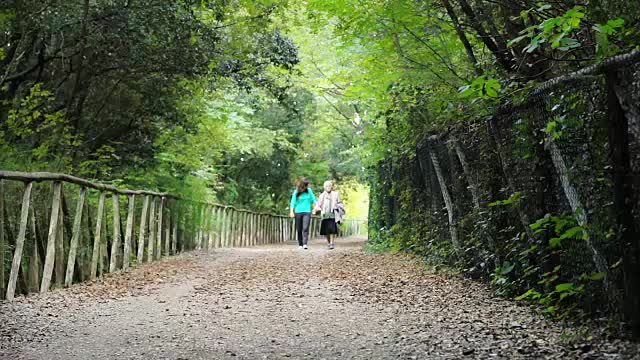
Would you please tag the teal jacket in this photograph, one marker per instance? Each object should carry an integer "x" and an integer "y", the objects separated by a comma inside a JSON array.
[{"x": 304, "y": 202}]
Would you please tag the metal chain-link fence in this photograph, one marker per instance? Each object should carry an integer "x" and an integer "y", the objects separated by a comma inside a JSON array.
[{"x": 544, "y": 193}]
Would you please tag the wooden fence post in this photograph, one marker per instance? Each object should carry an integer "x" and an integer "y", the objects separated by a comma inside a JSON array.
[
  {"x": 205, "y": 227},
  {"x": 247, "y": 236},
  {"x": 225, "y": 219},
  {"x": 215, "y": 226},
  {"x": 98, "y": 236},
  {"x": 217, "y": 217},
  {"x": 75, "y": 237},
  {"x": 189, "y": 222},
  {"x": 115, "y": 245},
  {"x": 34, "y": 271},
  {"x": 279, "y": 228},
  {"x": 201, "y": 226},
  {"x": 271, "y": 230},
  {"x": 17, "y": 253},
  {"x": 259, "y": 229},
  {"x": 204, "y": 240},
  {"x": 274, "y": 223},
  {"x": 159, "y": 233},
  {"x": 85, "y": 243},
  {"x": 285, "y": 225},
  {"x": 51, "y": 239},
  {"x": 198, "y": 226},
  {"x": 235, "y": 226},
  {"x": 128, "y": 236},
  {"x": 267, "y": 229},
  {"x": 152, "y": 229},
  {"x": 223, "y": 212},
  {"x": 174, "y": 235},
  {"x": 259, "y": 238},
  {"x": 208, "y": 211},
  {"x": 230, "y": 228},
  {"x": 59, "y": 255},
  {"x": 263, "y": 230},
  {"x": 240, "y": 236},
  {"x": 104, "y": 244},
  {"x": 143, "y": 225},
  {"x": 182, "y": 218},
  {"x": 167, "y": 232},
  {"x": 249, "y": 240},
  {"x": 243, "y": 233},
  {"x": 254, "y": 229},
  {"x": 240, "y": 227},
  {"x": 2, "y": 241}
]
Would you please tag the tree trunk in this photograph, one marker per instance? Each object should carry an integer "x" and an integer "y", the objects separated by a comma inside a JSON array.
[
  {"x": 463, "y": 37},
  {"x": 503, "y": 57}
]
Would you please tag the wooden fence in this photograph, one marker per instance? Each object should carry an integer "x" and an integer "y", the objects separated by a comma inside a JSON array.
[{"x": 96, "y": 242}]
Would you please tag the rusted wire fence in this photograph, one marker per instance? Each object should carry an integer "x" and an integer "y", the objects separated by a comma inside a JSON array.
[
  {"x": 545, "y": 196},
  {"x": 56, "y": 229}
]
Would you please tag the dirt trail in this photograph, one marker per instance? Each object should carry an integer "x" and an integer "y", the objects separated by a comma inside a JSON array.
[{"x": 280, "y": 302}]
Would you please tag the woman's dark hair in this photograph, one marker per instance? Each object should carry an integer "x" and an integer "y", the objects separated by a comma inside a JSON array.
[{"x": 303, "y": 185}]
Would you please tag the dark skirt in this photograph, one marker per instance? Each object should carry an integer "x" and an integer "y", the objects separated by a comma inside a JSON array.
[{"x": 328, "y": 227}]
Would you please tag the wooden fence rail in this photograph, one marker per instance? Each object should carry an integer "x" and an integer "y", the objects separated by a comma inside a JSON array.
[{"x": 60, "y": 249}]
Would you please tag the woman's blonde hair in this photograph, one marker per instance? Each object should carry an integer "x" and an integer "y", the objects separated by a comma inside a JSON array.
[{"x": 328, "y": 182}]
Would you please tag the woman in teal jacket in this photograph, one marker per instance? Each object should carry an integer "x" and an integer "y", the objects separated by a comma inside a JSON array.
[{"x": 302, "y": 202}]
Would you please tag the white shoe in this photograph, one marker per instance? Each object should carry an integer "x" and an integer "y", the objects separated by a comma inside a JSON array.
[
  {"x": 305, "y": 247},
  {"x": 299, "y": 247}
]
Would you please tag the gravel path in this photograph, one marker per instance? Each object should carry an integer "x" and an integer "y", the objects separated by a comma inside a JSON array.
[{"x": 280, "y": 302}]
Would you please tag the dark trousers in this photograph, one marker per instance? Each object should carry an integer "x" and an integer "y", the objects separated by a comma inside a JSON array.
[{"x": 302, "y": 227}]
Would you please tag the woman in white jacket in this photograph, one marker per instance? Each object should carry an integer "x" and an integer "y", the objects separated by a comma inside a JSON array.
[{"x": 332, "y": 211}]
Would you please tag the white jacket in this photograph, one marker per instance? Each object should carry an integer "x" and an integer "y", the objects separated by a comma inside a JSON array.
[{"x": 336, "y": 204}]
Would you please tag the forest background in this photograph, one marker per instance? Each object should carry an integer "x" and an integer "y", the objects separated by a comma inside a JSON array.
[
  {"x": 232, "y": 100},
  {"x": 214, "y": 100}
]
